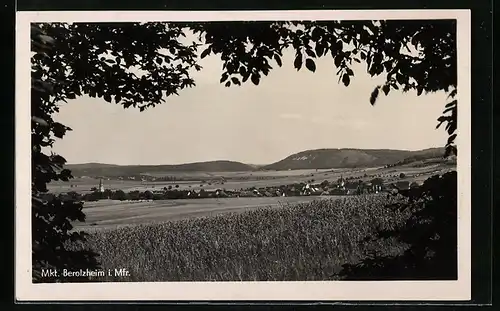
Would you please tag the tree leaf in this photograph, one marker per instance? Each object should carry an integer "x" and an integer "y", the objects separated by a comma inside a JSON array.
[
  {"x": 452, "y": 127},
  {"x": 107, "y": 97},
  {"x": 319, "y": 49},
  {"x": 298, "y": 61},
  {"x": 246, "y": 76},
  {"x": 228, "y": 84},
  {"x": 310, "y": 65},
  {"x": 450, "y": 109},
  {"x": 310, "y": 53},
  {"x": 235, "y": 81},
  {"x": 386, "y": 88},
  {"x": 47, "y": 39},
  {"x": 451, "y": 104},
  {"x": 224, "y": 77},
  {"x": 339, "y": 45},
  {"x": 58, "y": 129},
  {"x": 387, "y": 65},
  {"x": 205, "y": 53},
  {"x": 374, "y": 95},
  {"x": 400, "y": 78},
  {"x": 255, "y": 79},
  {"x": 338, "y": 60},
  {"x": 316, "y": 34},
  {"x": 451, "y": 139},
  {"x": 40, "y": 121},
  {"x": 242, "y": 70},
  {"x": 277, "y": 59},
  {"x": 346, "y": 79}
]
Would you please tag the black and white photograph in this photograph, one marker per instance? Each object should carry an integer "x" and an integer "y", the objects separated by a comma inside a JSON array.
[{"x": 177, "y": 149}]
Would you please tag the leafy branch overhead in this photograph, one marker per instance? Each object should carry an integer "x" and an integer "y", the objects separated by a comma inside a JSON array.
[
  {"x": 141, "y": 64},
  {"x": 131, "y": 64},
  {"x": 413, "y": 55}
]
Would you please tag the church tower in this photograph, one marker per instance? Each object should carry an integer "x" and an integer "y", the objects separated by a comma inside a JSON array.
[
  {"x": 342, "y": 183},
  {"x": 101, "y": 186}
]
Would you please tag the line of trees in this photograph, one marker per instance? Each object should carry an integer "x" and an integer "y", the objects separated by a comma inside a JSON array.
[
  {"x": 171, "y": 193},
  {"x": 132, "y": 195}
]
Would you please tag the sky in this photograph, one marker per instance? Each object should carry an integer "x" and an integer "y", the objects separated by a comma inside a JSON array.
[{"x": 287, "y": 112}]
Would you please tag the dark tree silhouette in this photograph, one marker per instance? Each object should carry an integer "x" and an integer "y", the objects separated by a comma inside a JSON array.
[
  {"x": 148, "y": 195},
  {"x": 431, "y": 233},
  {"x": 119, "y": 195},
  {"x": 377, "y": 181},
  {"x": 140, "y": 65},
  {"x": 51, "y": 215}
]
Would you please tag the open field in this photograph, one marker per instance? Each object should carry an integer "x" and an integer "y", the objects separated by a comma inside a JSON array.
[
  {"x": 245, "y": 173},
  {"x": 238, "y": 180},
  {"x": 309, "y": 241},
  {"x": 112, "y": 214}
]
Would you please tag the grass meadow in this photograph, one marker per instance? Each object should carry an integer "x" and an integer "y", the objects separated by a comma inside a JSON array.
[{"x": 309, "y": 241}]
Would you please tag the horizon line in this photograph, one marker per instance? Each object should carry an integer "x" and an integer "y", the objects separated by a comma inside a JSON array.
[{"x": 252, "y": 164}]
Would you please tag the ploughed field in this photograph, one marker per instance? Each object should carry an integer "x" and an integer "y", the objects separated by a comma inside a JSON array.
[{"x": 301, "y": 241}]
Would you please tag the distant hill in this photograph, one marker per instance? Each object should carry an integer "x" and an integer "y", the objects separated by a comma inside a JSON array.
[
  {"x": 423, "y": 155},
  {"x": 352, "y": 158},
  {"x": 309, "y": 159},
  {"x": 85, "y": 166},
  {"x": 99, "y": 169}
]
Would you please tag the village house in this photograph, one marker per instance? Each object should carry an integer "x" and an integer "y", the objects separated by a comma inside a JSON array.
[
  {"x": 256, "y": 192},
  {"x": 310, "y": 190}
]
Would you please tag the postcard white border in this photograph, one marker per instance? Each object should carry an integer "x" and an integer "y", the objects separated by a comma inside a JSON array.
[{"x": 25, "y": 290}]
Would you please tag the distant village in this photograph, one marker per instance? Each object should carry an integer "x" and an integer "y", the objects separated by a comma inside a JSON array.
[{"x": 340, "y": 187}]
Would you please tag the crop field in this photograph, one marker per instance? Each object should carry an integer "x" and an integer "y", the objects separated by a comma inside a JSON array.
[
  {"x": 305, "y": 241},
  {"x": 113, "y": 214}
]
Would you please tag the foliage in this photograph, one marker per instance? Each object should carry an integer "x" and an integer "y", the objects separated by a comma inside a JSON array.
[
  {"x": 140, "y": 64},
  {"x": 305, "y": 242},
  {"x": 377, "y": 181},
  {"x": 431, "y": 232},
  {"x": 51, "y": 216},
  {"x": 417, "y": 55},
  {"x": 70, "y": 60}
]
